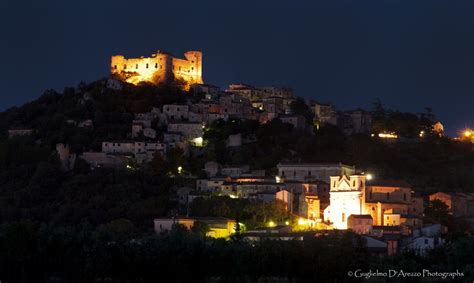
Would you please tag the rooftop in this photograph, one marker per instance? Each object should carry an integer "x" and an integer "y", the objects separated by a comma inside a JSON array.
[
  {"x": 281, "y": 164},
  {"x": 388, "y": 183}
]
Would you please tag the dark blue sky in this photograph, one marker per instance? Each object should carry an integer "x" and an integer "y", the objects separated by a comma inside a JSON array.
[{"x": 410, "y": 54}]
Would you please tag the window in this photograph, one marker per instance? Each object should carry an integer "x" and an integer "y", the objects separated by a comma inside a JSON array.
[
  {"x": 136, "y": 66},
  {"x": 426, "y": 241},
  {"x": 124, "y": 67},
  {"x": 354, "y": 183},
  {"x": 146, "y": 65},
  {"x": 115, "y": 67},
  {"x": 309, "y": 173},
  {"x": 156, "y": 65},
  {"x": 343, "y": 217},
  {"x": 370, "y": 195},
  {"x": 404, "y": 196},
  {"x": 388, "y": 196}
]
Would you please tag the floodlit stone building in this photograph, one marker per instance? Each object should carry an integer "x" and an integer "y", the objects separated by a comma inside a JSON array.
[
  {"x": 389, "y": 203},
  {"x": 160, "y": 67}
]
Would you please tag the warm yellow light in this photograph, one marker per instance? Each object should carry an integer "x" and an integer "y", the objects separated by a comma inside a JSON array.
[
  {"x": 467, "y": 133},
  {"x": 271, "y": 224},
  {"x": 180, "y": 169},
  {"x": 302, "y": 221},
  {"x": 278, "y": 179},
  {"x": 369, "y": 176},
  {"x": 287, "y": 222},
  {"x": 388, "y": 135},
  {"x": 198, "y": 141},
  {"x": 422, "y": 133}
]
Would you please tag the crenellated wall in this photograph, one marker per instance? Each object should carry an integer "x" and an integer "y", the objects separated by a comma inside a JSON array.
[{"x": 159, "y": 68}]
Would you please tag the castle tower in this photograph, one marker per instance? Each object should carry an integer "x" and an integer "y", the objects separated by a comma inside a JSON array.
[
  {"x": 159, "y": 68},
  {"x": 347, "y": 197}
]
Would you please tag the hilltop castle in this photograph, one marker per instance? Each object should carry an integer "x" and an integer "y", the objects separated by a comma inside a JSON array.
[{"x": 159, "y": 68}]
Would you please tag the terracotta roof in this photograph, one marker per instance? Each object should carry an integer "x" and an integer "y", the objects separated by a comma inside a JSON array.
[
  {"x": 388, "y": 183},
  {"x": 365, "y": 216}
]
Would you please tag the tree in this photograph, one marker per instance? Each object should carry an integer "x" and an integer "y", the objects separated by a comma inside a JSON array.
[
  {"x": 438, "y": 212},
  {"x": 299, "y": 107},
  {"x": 200, "y": 228}
]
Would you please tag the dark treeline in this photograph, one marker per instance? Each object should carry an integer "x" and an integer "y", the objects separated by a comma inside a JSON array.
[{"x": 41, "y": 253}]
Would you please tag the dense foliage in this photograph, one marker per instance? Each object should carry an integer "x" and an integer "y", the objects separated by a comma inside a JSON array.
[
  {"x": 38, "y": 253},
  {"x": 253, "y": 214}
]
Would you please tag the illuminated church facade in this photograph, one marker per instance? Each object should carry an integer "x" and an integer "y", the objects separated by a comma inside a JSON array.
[{"x": 387, "y": 203}]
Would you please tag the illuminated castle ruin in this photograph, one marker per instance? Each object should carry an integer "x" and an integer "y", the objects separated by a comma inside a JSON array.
[{"x": 159, "y": 68}]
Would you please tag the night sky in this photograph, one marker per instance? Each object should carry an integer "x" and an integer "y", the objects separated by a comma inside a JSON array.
[{"x": 410, "y": 54}]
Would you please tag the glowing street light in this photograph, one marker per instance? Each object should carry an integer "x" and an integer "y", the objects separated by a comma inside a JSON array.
[
  {"x": 369, "y": 176},
  {"x": 302, "y": 222},
  {"x": 278, "y": 179},
  {"x": 271, "y": 224},
  {"x": 180, "y": 169}
]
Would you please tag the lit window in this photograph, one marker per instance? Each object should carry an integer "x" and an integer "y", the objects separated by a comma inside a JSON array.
[{"x": 136, "y": 66}]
